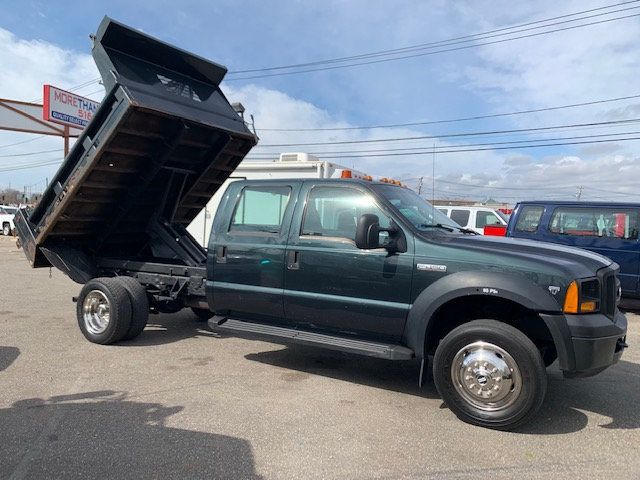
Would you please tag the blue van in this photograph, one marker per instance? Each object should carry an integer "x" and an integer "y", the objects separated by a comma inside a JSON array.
[{"x": 610, "y": 229}]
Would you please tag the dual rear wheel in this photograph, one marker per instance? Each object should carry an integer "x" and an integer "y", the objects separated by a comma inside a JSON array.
[{"x": 112, "y": 309}]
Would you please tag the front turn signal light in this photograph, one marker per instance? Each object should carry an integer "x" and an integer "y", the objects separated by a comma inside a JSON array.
[{"x": 571, "y": 298}]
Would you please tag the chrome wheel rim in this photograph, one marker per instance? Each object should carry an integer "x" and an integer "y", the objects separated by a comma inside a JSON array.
[
  {"x": 486, "y": 376},
  {"x": 95, "y": 312}
]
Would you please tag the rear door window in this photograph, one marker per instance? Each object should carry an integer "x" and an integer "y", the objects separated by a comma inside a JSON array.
[
  {"x": 461, "y": 217},
  {"x": 595, "y": 222},
  {"x": 529, "y": 218},
  {"x": 260, "y": 209}
]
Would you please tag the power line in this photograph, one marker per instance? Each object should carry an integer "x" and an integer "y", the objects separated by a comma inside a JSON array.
[
  {"x": 471, "y": 185},
  {"x": 26, "y": 166},
  {"x": 76, "y": 87},
  {"x": 31, "y": 153},
  {"x": 447, "y": 41},
  {"x": 453, "y": 135},
  {"x": 466, "y": 150},
  {"x": 23, "y": 141},
  {"x": 463, "y": 119},
  {"x": 409, "y": 150},
  {"x": 464, "y": 47}
]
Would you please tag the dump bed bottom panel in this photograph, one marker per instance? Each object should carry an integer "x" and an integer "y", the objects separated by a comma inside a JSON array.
[{"x": 150, "y": 167}]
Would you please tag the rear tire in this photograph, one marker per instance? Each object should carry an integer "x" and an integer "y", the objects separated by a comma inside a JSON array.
[
  {"x": 490, "y": 374},
  {"x": 139, "y": 306},
  {"x": 201, "y": 314},
  {"x": 103, "y": 310}
]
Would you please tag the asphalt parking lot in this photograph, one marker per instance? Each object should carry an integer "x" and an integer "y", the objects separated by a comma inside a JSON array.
[{"x": 182, "y": 402}]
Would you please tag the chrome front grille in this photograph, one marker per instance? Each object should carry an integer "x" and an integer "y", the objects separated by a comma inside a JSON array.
[{"x": 609, "y": 294}]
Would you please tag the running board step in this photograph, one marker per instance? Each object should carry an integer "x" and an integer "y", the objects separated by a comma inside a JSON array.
[{"x": 289, "y": 335}]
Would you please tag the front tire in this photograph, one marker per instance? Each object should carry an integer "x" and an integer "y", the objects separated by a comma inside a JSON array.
[
  {"x": 6, "y": 229},
  {"x": 104, "y": 311},
  {"x": 490, "y": 374}
]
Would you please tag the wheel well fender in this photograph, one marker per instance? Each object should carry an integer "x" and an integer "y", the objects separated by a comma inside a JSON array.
[{"x": 495, "y": 285}]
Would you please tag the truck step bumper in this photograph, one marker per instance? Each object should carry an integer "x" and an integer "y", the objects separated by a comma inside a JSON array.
[{"x": 287, "y": 335}]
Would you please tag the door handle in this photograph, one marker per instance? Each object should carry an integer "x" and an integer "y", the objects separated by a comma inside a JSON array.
[
  {"x": 221, "y": 254},
  {"x": 293, "y": 260}
]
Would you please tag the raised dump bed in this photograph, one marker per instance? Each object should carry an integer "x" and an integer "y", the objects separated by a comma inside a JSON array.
[{"x": 162, "y": 142}]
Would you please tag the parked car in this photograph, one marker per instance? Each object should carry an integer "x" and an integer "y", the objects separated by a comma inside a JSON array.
[
  {"x": 6, "y": 219},
  {"x": 610, "y": 229},
  {"x": 476, "y": 218}
]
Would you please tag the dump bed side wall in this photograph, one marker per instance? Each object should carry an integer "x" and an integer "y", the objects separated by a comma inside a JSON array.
[{"x": 161, "y": 144}]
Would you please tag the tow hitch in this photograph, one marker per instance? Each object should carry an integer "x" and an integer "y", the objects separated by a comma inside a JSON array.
[{"x": 621, "y": 344}]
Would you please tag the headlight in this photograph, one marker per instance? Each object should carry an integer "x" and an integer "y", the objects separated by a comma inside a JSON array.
[{"x": 583, "y": 296}]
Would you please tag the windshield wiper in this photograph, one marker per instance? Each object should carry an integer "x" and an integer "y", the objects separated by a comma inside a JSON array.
[
  {"x": 449, "y": 228},
  {"x": 468, "y": 230},
  {"x": 436, "y": 225}
]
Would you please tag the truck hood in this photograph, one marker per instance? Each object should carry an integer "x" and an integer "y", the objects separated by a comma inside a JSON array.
[{"x": 576, "y": 262}]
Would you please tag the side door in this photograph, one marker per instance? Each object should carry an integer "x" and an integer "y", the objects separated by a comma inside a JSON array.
[
  {"x": 525, "y": 223},
  {"x": 245, "y": 265},
  {"x": 484, "y": 218},
  {"x": 332, "y": 285},
  {"x": 609, "y": 231}
]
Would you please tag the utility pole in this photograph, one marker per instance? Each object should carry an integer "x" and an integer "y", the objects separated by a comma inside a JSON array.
[
  {"x": 420, "y": 185},
  {"x": 433, "y": 177},
  {"x": 579, "y": 192}
]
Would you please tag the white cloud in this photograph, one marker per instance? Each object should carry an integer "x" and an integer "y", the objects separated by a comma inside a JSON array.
[
  {"x": 593, "y": 62},
  {"x": 515, "y": 75},
  {"x": 26, "y": 66}
]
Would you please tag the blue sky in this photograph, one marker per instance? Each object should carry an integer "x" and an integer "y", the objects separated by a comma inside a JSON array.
[{"x": 45, "y": 42}]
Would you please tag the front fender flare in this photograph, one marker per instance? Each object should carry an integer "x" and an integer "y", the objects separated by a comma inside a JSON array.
[{"x": 491, "y": 284}]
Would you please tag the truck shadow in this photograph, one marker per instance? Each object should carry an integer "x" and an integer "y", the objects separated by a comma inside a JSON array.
[
  {"x": 166, "y": 328},
  {"x": 614, "y": 394},
  {"x": 8, "y": 355},
  {"x": 397, "y": 376},
  {"x": 102, "y": 434}
]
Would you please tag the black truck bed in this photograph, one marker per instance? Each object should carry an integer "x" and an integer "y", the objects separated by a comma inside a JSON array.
[{"x": 162, "y": 142}]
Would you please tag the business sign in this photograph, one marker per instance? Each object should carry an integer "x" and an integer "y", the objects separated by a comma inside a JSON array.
[{"x": 67, "y": 108}]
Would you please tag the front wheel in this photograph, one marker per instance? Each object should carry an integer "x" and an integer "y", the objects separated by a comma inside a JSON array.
[
  {"x": 6, "y": 229},
  {"x": 490, "y": 374}
]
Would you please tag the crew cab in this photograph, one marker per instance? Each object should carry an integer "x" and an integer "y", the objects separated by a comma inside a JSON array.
[{"x": 353, "y": 265}]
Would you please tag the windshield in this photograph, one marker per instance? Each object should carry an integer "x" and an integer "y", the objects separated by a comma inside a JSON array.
[
  {"x": 415, "y": 209},
  {"x": 502, "y": 215},
  {"x": 10, "y": 210}
]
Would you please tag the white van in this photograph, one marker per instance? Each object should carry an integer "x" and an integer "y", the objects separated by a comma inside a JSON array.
[{"x": 474, "y": 218}]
